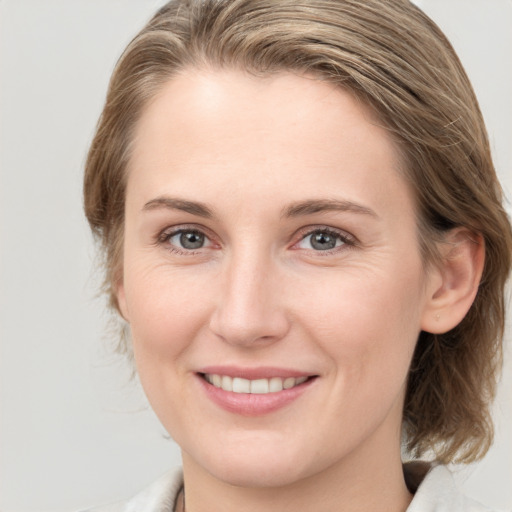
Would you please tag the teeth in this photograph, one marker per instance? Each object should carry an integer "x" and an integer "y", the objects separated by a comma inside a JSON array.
[
  {"x": 226, "y": 383},
  {"x": 258, "y": 386},
  {"x": 275, "y": 384},
  {"x": 241, "y": 385},
  {"x": 289, "y": 383}
]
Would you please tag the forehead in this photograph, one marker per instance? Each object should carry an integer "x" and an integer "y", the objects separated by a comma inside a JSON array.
[
  {"x": 283, "y": 133},
  {"x": 228, "y": 99}
]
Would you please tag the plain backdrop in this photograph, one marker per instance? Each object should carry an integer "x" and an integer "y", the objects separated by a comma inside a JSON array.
[{"x": 74, "y": 430}]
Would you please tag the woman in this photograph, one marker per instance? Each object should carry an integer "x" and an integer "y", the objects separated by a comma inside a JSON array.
[{"x": 304, "y": 232}]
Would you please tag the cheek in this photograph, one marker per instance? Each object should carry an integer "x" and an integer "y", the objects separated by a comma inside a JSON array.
[
  {"x": 165, "y": 313},
  {"x": 165, "y": 319},
  {"x": 367, "y": 325}
]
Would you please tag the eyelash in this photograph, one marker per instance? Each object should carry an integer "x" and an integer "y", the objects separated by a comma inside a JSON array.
[
  {"x": 165, "y": 236},
  {"x": 348, "y": 241}
]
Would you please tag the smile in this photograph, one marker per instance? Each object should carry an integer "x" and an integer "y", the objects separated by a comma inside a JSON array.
[
  {"x": 254, "y": 391},
  {"x": 257, "y": 386}
]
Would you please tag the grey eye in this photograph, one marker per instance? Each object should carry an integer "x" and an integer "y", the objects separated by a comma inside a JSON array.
[
  {"x": 188, "y": 240},
  {"x": 321, "y": 241}
]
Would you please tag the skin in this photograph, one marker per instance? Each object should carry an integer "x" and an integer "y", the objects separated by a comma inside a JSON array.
[{"x": 259, "y": 294}]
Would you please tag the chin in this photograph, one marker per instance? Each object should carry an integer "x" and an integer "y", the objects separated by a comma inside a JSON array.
[
  {"x": 257, "y": 474},
  {"x": 258, "y": 464}
]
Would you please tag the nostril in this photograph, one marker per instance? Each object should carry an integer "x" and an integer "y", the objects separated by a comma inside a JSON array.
[{"x": 238, "y": 326}]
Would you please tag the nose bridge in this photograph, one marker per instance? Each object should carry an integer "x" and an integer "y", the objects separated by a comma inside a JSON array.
[{"x": 249, "y": 309}]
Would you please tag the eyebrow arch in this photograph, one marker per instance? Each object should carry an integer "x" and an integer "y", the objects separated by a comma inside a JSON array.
[
  {"x": 174, "y": 203},
  {"x": 311, "y": 206}
]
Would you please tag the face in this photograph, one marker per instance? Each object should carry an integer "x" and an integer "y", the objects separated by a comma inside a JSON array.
[{"x": 272, "y": 277}]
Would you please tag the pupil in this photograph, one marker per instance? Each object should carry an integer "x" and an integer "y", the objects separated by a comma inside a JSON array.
[
  {"x": 191, "y": 240},
  {"x": 323, "y": 241}
]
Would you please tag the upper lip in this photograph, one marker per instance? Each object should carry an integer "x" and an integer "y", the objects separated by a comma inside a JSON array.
[{"x": 261, "y": 372}]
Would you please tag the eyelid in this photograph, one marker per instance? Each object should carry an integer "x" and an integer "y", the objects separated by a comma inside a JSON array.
[
  {"x": 163, "y": 236},
  {"x": 348, "y": 239}
]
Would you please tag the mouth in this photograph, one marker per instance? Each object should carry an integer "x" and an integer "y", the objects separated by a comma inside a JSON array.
[
  {"x": 256, "y": 386},
  {"x": 254, "y": 391}
]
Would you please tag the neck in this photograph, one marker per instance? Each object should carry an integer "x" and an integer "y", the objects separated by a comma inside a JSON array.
[{"x": 354, "y": 485}]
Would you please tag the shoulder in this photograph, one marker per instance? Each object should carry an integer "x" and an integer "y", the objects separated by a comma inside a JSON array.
[
  {"x": 438, "y": 492},
  {"x": 159, "y": 496}
]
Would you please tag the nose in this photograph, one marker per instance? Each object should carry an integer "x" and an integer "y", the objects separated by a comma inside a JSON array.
[{"x": 250, "y": 309}]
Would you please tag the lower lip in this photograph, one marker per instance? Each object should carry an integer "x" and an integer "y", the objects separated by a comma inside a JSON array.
[{"x": 253, "y": 404}]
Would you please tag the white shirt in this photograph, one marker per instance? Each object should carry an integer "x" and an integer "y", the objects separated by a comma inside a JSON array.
[{"x": 436, "y": 493}]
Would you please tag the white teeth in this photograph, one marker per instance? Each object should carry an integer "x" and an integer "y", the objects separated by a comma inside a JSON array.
[
  {"x": 275, "y": 384},
  {"x": 241, "y": 385},
  {"x": 226, "y": 383},
  {"x": 288, "y": 383},
  {"x": 258, "y": 386}
]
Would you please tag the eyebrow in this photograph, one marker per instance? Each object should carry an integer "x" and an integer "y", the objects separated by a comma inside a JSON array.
[
  {"x": 173, "y": 203},
  {"x": 311, "y": 206},
  {"x": 298, "y": 209}
]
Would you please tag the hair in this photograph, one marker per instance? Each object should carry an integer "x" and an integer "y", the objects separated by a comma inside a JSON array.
[{"x": 392, "y": 57}]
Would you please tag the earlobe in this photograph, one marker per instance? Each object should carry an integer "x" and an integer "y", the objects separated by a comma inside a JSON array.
[{"x": 455, "y": 281}]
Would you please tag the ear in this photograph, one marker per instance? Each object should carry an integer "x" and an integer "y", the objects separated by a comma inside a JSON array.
[
  {"x": 121, "y": 300},
  {"x": 453, "y": 283}
]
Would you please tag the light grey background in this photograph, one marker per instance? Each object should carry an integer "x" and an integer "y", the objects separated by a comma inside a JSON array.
[{"x": 74, "y": 431}]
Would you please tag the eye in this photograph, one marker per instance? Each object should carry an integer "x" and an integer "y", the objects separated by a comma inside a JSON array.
[
  {"x": 185, "y": 240},
  {"x": 323, "y": 240},
  {"x": 188, "y": 240}
]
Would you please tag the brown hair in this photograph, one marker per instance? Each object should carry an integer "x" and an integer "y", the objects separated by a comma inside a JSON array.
[{"x": 395, "y": 59}]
